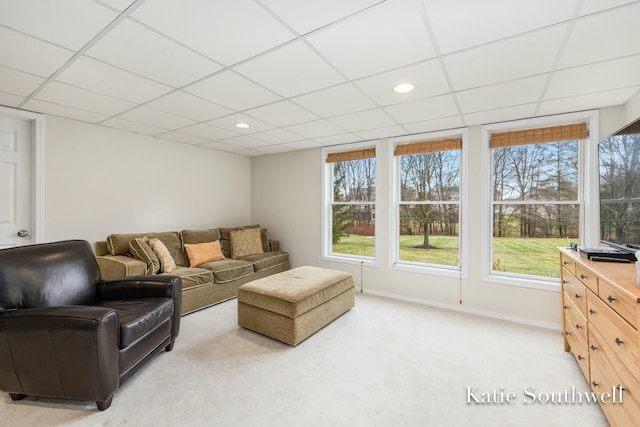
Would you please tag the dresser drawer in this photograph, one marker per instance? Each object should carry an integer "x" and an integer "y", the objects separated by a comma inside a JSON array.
[
  {"x": 575, "y": 318},
  {"x": 579, "y": 348},
  {"x": 587, "y": 277},
  {"x": 622, "y": 303},
  {"x": 607, "y": 373},
  {"x": 616, "y": 333},
  {"x": 576, "y": 291},
  {"x": 568, "y": 263}
]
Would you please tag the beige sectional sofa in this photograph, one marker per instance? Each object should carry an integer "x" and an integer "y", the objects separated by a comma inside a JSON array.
[{"x": 205, "y": 284}]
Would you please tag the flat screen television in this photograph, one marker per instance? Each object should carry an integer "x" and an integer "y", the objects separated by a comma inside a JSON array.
[{"x": 619, "y": 168}]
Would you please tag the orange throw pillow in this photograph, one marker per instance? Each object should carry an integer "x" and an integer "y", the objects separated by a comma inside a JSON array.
[{"x": 199, "y": 253}]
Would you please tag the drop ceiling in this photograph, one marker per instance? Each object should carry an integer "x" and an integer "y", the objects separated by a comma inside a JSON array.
[{"x": 311, "y": 73}]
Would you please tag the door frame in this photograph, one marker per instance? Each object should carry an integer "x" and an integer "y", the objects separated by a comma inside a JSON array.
[{"x": 37, "y": 167}]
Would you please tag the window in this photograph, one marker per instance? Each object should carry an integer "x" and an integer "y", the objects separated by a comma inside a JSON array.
[
  {"x": 535, "y": 199},
  {"x": 427, "y": 202},
  {"x": 350, "y": 208}
]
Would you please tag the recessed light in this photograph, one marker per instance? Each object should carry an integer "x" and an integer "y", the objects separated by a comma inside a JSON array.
[
  {"x": 242, "y": 125},
  {"x": 404, "y": 87}
]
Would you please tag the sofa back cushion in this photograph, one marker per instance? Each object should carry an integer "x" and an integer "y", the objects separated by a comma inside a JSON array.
[
  {"x": 118, "y": 244},
  {"x": 199, "y": 236}
]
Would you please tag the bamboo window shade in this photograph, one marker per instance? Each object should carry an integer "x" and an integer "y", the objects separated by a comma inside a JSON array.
[
  {"x": 365, "y": 153},
  {"x": 428, "y": 146},
  {"x": 539, "y": 136}
]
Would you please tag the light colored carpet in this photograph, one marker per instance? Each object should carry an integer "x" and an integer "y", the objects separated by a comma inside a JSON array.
[{"x": 383, "y": 363}]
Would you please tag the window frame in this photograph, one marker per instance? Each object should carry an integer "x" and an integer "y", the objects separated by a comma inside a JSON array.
[
  {"x": 327, "y": 203},
  {"x": 462, "y": 270},
  {"x": 587, "y": 194}
]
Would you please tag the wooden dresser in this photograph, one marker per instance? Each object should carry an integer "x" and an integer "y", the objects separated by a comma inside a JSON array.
[{"x": 601, "y": 316}]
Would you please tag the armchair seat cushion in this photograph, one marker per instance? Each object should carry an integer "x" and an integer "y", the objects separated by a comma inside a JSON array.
[{"x": 138, "y": 317}]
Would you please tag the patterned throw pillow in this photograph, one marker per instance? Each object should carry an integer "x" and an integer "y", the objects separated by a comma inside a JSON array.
[
  {"x": 141, "y": 250},
  {"x": 167, "y": 264},
  {"x": 199, "y": 253},
  {"x": 245, "y": 242}
]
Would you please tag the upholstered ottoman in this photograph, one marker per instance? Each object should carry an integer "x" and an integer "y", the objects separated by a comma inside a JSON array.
[{"x": 293, "y": 305}]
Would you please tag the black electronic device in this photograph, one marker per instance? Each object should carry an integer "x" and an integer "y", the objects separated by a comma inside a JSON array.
[{"x": 606, "y": 253}]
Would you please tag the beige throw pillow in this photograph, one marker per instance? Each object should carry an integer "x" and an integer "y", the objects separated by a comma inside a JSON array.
[
  {"x": 167, "y": 264},
  {"x": 199, "y": 253},
  {"x": 141, "y": 250},
  {"x": 245, "y": 242}
]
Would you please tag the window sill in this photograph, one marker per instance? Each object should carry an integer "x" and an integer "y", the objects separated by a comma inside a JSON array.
[
  {"x": 432, "y": 270},
  {"x": 551, "y": 284},
  {"x": 349, "y": 260}
]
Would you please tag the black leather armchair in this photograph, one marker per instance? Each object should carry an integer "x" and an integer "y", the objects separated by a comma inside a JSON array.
[{"x": 66, "y": 333}]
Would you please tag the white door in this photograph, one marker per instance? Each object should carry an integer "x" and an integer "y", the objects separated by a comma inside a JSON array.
[{"x": 16, "y": 198}]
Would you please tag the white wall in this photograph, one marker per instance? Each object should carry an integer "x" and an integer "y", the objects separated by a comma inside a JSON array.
[
  {"x": 99, "y": 180},
  {"x": 286, "y": 197}
]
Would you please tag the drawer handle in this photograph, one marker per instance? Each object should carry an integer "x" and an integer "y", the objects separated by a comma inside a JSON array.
[
  {"x": 578, "y": 296},
  {"x": 566, "y": 307},
  {"x": 564, "y": 282},
  {"x": 595, "y": 384},
  {"x": 582, "y": 276},
  {"x": 592, "y": 311},
  {"x": 593, "y": 347},
  {"x": 618, "y": 341},
  {"x": 578, "y": 326},
  {"x": 567, "y": 333},
  {"x": 610, "y": 299},
  {"x": 565, "y": 262},
  {"x": 580, "y": 358},
  {"x": 619, "y": 387}
]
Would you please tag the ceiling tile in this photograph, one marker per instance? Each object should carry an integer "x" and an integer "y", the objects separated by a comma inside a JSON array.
[
  {"x": 597, "y": 77},
  {"x": 163, "y": 60},
  {"x": 273, "y": 149},
  {"x": 29, "y": 54},
  {"x": 306, "y": 16},
  {"x": 509, "y": 59},
  {"x": 62, "y": 111},
  {"x": 244, "y": 141},
  {"x": 334, "y": 101},
  {"x": 118, "y": 123},
  {"x": 283, "y": 113},
  {"x": 364, "y": 120},
  {"x": 159, "y": 119},
  {"x": 227, "y": 31},
  {"x": 603, "y": 36},
  {"x": 436, "y": 124},
  {"x": 71, "y": 96},
  {"x": 472, "y": 23},
  {"x": 585, "y": 102},
  {"x": 302, "y": 145},
  {"x": 118, "y": 4},
  {"x": 427, "y": 77},
  {"x": 207, "y": 132},
  {"x": 10, "y": 99},
  {"x": 500, "y": 114},
  {"x": 18, "y": 83},
  {"x": 316, "y": 129},
  {"x": 344, "y": 138},
  {"x": 277, "y": 136},
  {"x": 423, "y": 109},
  {"x": 189, "y": 106},
  {"x": 291, "y": 70},
  {"x": 69, "y": 23},
  {"x": 592, "y": 6},
  {"x": 232, "y": 91},
  {"x": 102, "y": 78},
  {"x": 228, "y": 123},
  {"x": 380, "y": 39},
  {"x": 220, "y": 146},
  {"x": 506, "y": 94},
  {"x": 181, "y": 137},
  {"x": 384, "y": 132}
]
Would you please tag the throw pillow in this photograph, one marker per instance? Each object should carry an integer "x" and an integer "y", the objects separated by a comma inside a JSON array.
[
  {"x": 245, "y": 242},
  {"x": 141, "y": 250},
  {"x": 199, "y": 253},
  {"x": 167, "y": 264}
]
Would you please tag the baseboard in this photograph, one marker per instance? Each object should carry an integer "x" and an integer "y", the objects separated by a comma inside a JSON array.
[{"x": 469, "y": 310}]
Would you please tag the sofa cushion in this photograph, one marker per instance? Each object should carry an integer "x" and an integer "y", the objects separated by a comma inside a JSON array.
[
  {"x": 225, "y": 238},
  {"x": 267, "y": 260},
  {"x": 245, "y": 242},
  {"x": 228, "y": 269},
  {"x": 199, "y": 236},
  {"x": 138, "y": 317},
  {"x": 199, "y": 253},
  {"x": 141, "y": 250},
  {"x": 192, "y": 276},
  {"x": 167, "y": 264},
  {"x": 118, "y": 244}
]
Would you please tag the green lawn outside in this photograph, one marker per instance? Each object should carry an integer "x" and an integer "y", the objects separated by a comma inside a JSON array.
[{"x": 535, "y": 256}]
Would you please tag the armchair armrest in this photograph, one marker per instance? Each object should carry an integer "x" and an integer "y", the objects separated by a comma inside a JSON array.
[{"x": 40, "y": 347}]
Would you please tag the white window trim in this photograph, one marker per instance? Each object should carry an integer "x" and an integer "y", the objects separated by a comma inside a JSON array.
[
  {"x": 588, "y": 187},
  {"x": 461, "y": 272},
  {"x": 327, "y": 198}
]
